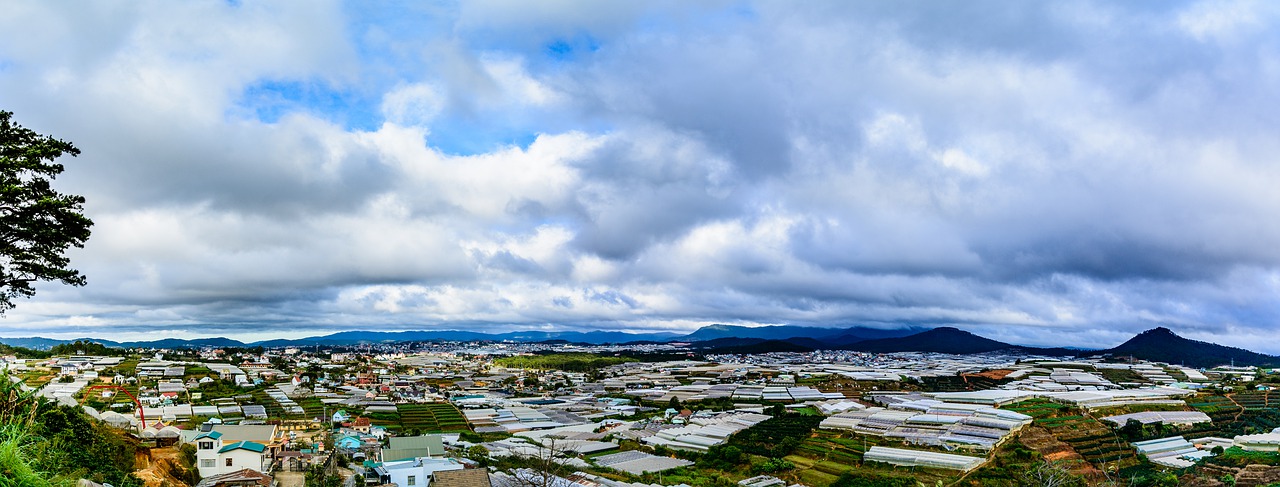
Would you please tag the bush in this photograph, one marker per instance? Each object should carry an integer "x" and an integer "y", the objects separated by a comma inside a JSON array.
[{"x": 772, "y": 465}]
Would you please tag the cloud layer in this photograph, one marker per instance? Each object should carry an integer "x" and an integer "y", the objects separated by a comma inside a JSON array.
[{"x": 1061, "y": 174}]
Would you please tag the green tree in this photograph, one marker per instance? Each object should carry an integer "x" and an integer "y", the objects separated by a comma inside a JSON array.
[
  {"x": 722, "y": 457},
  {"x": 37, "y": 223},
  {"x": 478, "y": 454}
]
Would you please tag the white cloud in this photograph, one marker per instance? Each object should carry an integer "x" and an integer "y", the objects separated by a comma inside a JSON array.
[{"x": 658, "y": 166}]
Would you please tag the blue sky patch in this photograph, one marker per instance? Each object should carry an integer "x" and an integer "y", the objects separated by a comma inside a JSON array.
[{"x": 269, "y": 101}]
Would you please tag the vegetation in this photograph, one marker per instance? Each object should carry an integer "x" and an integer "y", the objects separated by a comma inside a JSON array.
[
  {"x": 85, "y": 347},
  {"x": 22, "y": 352},
  {"x": 776, "y": 437},
  {"x": 569, "y": 362},
  {"x": 38, "y": 224},
  {"x": 44, "y": 444},
  {"x": 722, "y": 457},
  {"x": 431, "y": 418},
  {"x": 1238, "y": 458}
]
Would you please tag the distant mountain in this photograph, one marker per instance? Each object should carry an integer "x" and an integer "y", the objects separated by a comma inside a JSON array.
[
  {"x": 1163, "y": 345},
  {"x": 179, "y": 343},
  {"x": 862, "y": 334},
  {"x": 810, "y": 343},
  {"x": 347, "y": 338},
  {"x": 939, "y": 340},
  {"x": 752, "y": 345},
  {"x": 783, "y": 332},
  {"x": 591, "y": 337},
  {"x": 726, "y": 342},
  {"x": 34, "y": 343}
]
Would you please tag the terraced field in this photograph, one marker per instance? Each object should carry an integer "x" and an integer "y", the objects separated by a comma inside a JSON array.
[
  {"x": 431, "y": 417},
  {"x": 312, "y": 406},
  {"x": 1257, "y": 401},
  {"x": 1219, "y": 408},
  {"x": 1091, "y": 439},
  {"x": 1038, "y": 408},
  {"x": 390, "y": 421},
  {"x": 273, "y": 408},
  {"x": 826, "y": 455}
]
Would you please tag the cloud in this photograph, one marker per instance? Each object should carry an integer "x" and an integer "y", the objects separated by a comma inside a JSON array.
[{"x": 1029, "y": 171}]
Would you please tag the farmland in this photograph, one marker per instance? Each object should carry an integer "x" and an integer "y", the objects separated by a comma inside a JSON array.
[{"x": 431, "y": 417}]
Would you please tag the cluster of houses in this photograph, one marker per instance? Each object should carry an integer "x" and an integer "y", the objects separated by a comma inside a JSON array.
[{"x": 592, "y": 413}]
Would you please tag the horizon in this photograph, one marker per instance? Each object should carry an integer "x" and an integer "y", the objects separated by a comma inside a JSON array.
[
  {"x": 248, "y": 342},
  {"x": 1054, "y": 175}
]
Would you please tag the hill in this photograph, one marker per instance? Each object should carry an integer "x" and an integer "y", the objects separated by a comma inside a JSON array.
[
  {"x": 754, "y": 345},
  {"x": 784, "y": 332},
  {"x": 1163, "y": 345},
  {"x": 939, "y": 340}
]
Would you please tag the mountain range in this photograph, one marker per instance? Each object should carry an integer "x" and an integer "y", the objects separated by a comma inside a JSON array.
[{"x": 1158, "y": 344}]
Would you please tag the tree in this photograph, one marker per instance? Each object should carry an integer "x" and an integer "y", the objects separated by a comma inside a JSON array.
[
  {"x": 1050, "y": 474},
  {"x": 37, "y": 223},
  {"x": 544, "y": 466},
  {"x": 478, "y": 454}
]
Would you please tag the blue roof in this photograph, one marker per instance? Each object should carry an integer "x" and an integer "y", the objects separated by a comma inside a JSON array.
[
  {"x": 208, "y": 434},
  {"x": 244, "y": 445}
]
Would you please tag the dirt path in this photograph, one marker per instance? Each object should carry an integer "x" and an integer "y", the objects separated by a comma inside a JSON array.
[{"x": 1233, "y": 401}]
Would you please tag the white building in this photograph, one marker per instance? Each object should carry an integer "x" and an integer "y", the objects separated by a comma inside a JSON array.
[
  {"x": 417, "y": 472},
  {"x": 229, "y": 448}
]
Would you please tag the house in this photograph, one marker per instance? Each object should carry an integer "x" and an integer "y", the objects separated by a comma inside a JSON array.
[
  {"x": 348, "y": 442},
  {"x": 228, "y": 448},
  {"x": 242, "y": 455},
  {"x": 408, "y": 447},
  {"x": 417, "y": 472},
  {"x": 362, "y": 425},
  {"x": 240, "y": 478},
  {"x": 471, "y": 477}
]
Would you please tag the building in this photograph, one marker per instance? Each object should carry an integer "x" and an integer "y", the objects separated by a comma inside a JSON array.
[
  {"x": 229, "y": 448},
  {"x": 417, "y": 472},
  {"x": 240, "y": 478},
  {"x": 408, "y": 447},
  {"x": 471, "y": 477}
]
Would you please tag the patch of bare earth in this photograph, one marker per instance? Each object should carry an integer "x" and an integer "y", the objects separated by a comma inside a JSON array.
[
  {"x": 996, "y": 374},
  {"x": 290, "y": 479},
  {"x": 1054, "y": 450},
  {"x": 156, "y": 467}
]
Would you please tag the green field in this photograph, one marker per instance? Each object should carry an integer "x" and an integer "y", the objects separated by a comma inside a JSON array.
[{"x": 432, "y": 417}]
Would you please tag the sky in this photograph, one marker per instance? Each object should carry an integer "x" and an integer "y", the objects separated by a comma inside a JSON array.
[{"x": 1042, "y": 173}]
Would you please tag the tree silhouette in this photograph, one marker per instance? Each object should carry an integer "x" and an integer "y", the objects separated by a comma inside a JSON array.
[{"x": 37, "y": 223}]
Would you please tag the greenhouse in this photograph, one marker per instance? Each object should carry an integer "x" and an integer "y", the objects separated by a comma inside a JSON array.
[{"x": 917, "y": 458}]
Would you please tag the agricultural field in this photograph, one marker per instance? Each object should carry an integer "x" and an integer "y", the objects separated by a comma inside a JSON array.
[
  {"x": 273, "y": 408},
  {"x": 777, "y": 436},
  {"x": 37, "y": 377},
  {"x": 390, "y": 421},
  {"x": 1094, "y": 441},
  {"x": 312, "y": 406},
  {"x": 823, "y": 457},
  {"x": 431, "y": 417},
  {"x": 1257, "y": 401},
  {"x": 1038, "y": 408},
  {"x": 1117, "y": 376},
  {"x": 1219, "y": 408}
]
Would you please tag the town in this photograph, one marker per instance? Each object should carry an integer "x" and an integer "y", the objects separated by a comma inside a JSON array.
[{"x": 510, "y": 414}]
